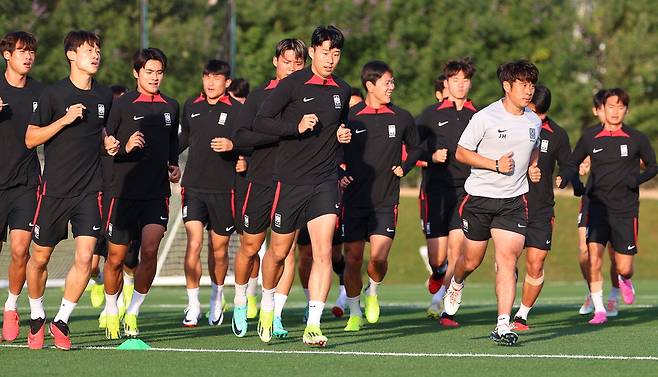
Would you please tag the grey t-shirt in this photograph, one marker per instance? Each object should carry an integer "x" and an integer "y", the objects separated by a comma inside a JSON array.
[{"x": 493, "y": 132}]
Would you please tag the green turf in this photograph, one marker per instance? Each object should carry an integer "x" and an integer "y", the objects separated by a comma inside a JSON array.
[{"x": 403, "y": 328}]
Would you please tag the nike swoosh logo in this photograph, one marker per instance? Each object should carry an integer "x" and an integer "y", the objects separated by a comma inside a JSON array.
[
  {"x": 548, "y": 242},
  {"x": 137, "y": 118},
  {"x": 308, "y": 99},
  {"x": 441, "y": 124},
  {"x": 163, "y": 218},
  {"x": 229, "y": 228},
  {"x": 502, "y": 130},
  {"x": 631, "y": 247},
  {"x": 520, "y": 226},
  {"x": 96, "y": 227},
  {"x": 337, "y": 206},
  {"x": 597, "y": 150},
  {"x": 390, "y": 230},
  {"x": 31, "y": 224},
  {"x": 360, "y": 131},
  {"x": 195, "y": 115}
]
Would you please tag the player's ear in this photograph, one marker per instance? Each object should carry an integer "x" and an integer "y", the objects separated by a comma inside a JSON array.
[
  {"x": 507, "y": 86},
  {"x": 228, "y": 83},
  {"x": 275, "y": 61},
  {"x": 6, "y": 55},
  {"x": 135, "y": 74},
  {"x": 71, "y": 55},
  {"x": 311, "y": 51},
  {"x": 369, "y": 86}
]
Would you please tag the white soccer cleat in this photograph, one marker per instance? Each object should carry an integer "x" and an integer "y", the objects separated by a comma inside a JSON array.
[{"x": 453, "y": 299}]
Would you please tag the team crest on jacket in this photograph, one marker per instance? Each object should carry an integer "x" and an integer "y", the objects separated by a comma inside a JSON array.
[
  {"x": 167, "y": 117},
  {"x": 337, "y": 104},
  {"x": 623, "y": 149},
  {"x": 222, "y": 119},
  {"x": 35, "y": 104},
  {"x": 101, "y": 111},
  {"x": 544, "y": 145},
  {"x": 533, "y": 135},
  {"x": 391, "y": 130}
]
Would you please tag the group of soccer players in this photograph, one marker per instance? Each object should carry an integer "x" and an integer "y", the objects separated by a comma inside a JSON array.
[{"x": 306, "y": 158}]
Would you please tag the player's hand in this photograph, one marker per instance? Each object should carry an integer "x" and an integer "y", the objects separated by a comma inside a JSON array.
[
  {"x": 2, "y": 104},
  {"x": 535, "y": 173},
  {"x": 136, "y": 140},
  {"x": 440, "y": 156},
  {"x": 74, "y": 112},
  {"x": 111, "y": 145},
  {"x": 584, "y": 166},
  {"x": 506, "y": 163},
  {"x": 344, "y": 134},
  {"x": 174, "y": 174},
  {"x": 345, "y": 181},
  {"x": 308, "y": 122},
  {"x": 397, "y": 170},
  {"x": 221, "y": 144},
  {"x": 241, "y": 165}
]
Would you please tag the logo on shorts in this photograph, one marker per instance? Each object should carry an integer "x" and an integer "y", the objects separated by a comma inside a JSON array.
[
  {"x": 465, "y": 225},
  {"x": 391, "y": 130},
  {"x": 544, "y": 146},
  {"x": 624, "y": 150},
  {"x": 167, "y": 117},
  {"x": 95, "y": 228},
  {"x": 390, "y": 230},
  {"x": 184, "y": 211},
  {"x": 35, "y": 104},
  {"x": 277, "y": 220},
  {"x": 36, "y": 231},
  {"x": 337, "y": 104},
  {"x": 101, "y": 110},
  {"x": 222, "y": 119},
  {"x": 533, "y": 135},
  {"x": 246, "y": 221},
  {"x": 427, "y": 228},
  {"x": 109, "y": 229},
  {"x": 342, "y": 229},
  {"x": 630, "y": 247}
]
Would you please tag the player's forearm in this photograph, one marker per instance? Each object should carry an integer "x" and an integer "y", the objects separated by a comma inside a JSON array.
[
  {"x": 473, "y": 159},
  {"x": 247, "y": 138},
  {"x": 271, "y": 126},
  {"x": 35, "y": 135}
]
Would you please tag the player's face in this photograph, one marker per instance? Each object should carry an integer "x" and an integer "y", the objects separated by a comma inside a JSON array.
[
  {"x": 383, "y": 88},
  {"x": 287, "y": 63},
  {"x": 215, "y": 85},
  {"x": 519, "y": 92},
  {"x": 614, "y": 110},
  {"x": 355, "y": 100},
  {"x": 325, "y": 59},
  {"x": 87, "y": 58},
  {"x": 21, "y": 60},
  {"x": 457, "y": 86},
  {"x": 150, "y": 77}
]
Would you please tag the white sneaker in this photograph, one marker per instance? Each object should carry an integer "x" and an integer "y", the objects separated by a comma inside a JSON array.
[
  {"x": 588, "y": 306},
  {"x": 504, "y": 335},
  {"x": 192, "y": 315},
  {"x": 216, "y": 315},
  {"x": 612, "y": 309},
  {"x": 452, "y": 299}
]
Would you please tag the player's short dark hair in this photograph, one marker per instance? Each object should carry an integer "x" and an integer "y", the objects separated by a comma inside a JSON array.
[
  {"x": 77, "y": 38},
  {"x": 521, "y": 70},
  {"x": 620, "y": 93},
  {"x": 217, "y": 67},
  {"x": 599, "y": 98},
  {"x": 453, "y": 67},
  {"x": 541, "y": 99},
  {"x": 239, "y": 87},
  {"x": 327, "y": 33},
  {"x": 354, "y": 91},
  {"x": 118, "y": 90},
  {"x": 438, "y": 83},
  {"x": 144, "y": 55},
  {"x": 14, "y": 39},
  {"x": 297, "y": 46},
  {"x": 373, "y": 71}
]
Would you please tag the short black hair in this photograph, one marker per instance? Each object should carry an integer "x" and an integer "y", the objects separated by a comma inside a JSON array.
[
  {"x": 239, "y": 87},
  {"x": 77, "y": 38},
  {"x": 15, "y": 39},
  {"x": 438, "y": 83},
  {"x": 118, "y": 90},
  {"x": 453, "y": 67},
  {"x": 144, "y": 55},
  {"x": 296, "y": 45},
  {"x": 354, "y": 91},
  {"x": 521, "y": 70},
  {"x": 373, "y": 71},
  {"x": 217, "y": 67},
  {"x": 620, "y": 93},
  {"x": 327, "y": 33},
  {"x": 599, "y": 97},
  {"x": 541, "y": 99}
]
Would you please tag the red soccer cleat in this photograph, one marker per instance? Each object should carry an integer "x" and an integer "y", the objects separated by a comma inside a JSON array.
[
  {"x": 448, "y": 322},
  {"x": 36, "y": 335},
  {"x": 520, "y": 324},
  {"x": 434, "y": 285},
  {"x": 10, "y": 325},
  {"x": 337, "y": 311},
  {"x": 60, "y": 332}
]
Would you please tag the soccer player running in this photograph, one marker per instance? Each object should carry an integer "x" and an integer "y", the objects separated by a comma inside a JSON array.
[
  {"x": 20, "y": 170},
  {"x": 554, "y": 148},
  {"x": 442, "y": 190},
  {"x": 501, "y": 145},
  {"x": 144, "y": 124},
  {"x": 374, "y": 167},
  {"x": 69, "y": 120},
  {"x": 615, "y": 151},
  {"x": 308, "y": 110},
  {"x": 289, "y": 57}
]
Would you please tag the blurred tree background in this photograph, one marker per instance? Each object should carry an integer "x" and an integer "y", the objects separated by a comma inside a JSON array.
[{"x": 579, "y": 46}]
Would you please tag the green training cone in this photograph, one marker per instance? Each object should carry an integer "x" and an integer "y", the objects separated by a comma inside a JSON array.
[{"x": 133, "y": 345}]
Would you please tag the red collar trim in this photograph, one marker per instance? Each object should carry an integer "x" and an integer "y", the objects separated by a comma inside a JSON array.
[
  {"x": 446, "y": 104},
  {"x": 317, "y": 80},
  {"x": 273, "y": 84},
  {"x": 146, "y": 98},
  {"x": 618, "y": 133},
  {"x": 382, "y": 110},
  {"x": 224, "y": 99},
  {"x": 545, "y": 125}
]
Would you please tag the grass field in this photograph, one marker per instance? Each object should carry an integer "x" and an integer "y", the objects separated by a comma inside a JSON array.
[{"x": 560, "y": 342}]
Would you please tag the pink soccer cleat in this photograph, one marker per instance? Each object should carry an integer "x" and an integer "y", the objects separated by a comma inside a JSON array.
[
  {"x": 10, "y": 325},
  {"x": 599, "y": 318},
  {"x": 627, "y": 290}
]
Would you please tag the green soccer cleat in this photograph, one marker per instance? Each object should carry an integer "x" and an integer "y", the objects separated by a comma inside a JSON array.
[
  {"x": 313, "y": 336},
  {"x": 239, "y": 321},
  {"x": 434, "y": 311},
  {"x": 130, "y": 325},
  {"x": 97, "y": 295},
  {"x": 353, "y": 324},
  {"x": 252, "y": 307},
  {"x": 279, "y": 331},
  {"x": 372, "y": 309},
  {"x": 265, "y": 325},
  {"x": 112, "y": 328},
  {"x": 102, "y": 320}
]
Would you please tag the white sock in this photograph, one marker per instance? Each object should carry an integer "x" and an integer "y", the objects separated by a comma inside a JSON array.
[
  {"x": 438, "y": 296},
  {"x": 65, "y": 310},
  {"x": 523, "y": 311},
  {"x": 11, "y": 303},
  {"x": 138, "y": 299},
  {"x": 279, "y": 302},
  {"x": 355, "y": 306},
  {"x": 216, "y": 296},
  {"x": 36, "y": 308},
  {"x": 614, "y": 294},
  {"x": 240, "y": 298},
  {"x": 252, "y": 286},
  {"x": 193, "y": 297},
  {"x": 456, "y": 286},
  {"x": 267, "y": 300},
  {"x": 597, "y": 299},
  {"x": 307, "y": 293},
  {"x": 111, "y": 304},
  {"x": 315, "y": 309},
  {"x": 128, "y": 279},
  {"x": 121, "y": 301},
  {"x": 503, "y": 320},
  {"x": 371, "y": 290}
]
